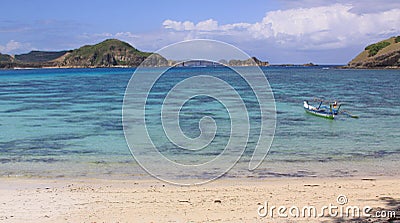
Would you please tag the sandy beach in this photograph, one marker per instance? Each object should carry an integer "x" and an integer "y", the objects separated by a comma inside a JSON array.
[
  {"x": 224, "y": 200},
  {"x": 200, "y": 111}
]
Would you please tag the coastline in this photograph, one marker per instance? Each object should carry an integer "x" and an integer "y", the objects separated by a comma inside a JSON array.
[
  {"x": 320, "y": 66},
  {"x": 271, "y": 168},
  {"x": 223, "y": 200},
  {"x": 368, "y": 68}
]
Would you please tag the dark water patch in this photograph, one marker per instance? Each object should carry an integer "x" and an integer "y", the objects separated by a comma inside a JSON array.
[
  {"x": 390, "y": 114},
  {"x": 307, "y": 159},
  {"x": 58, "y": 114},
  {"x": 365, "y": 134},
  {"x": 280, "y": 112},
  {"x": 300, "y": 173},
  {"x": 33, "y": 125},
  {"x": 17, "y": 109},
  {"x": 31, "y": 147},
  {"x": 109, "y": 109},
  {"x": 48, "y": 145},
  {"x": 111, "y": 125},
  {"x": 381, "y": 153},
  {"x": 62, "y": 137},
  {"x": 43, "y": 160},
  {"x": 81, "y": 119},
  {"x": 130, "y": 161},
  {"x": 282, "y": 133},
  {"x": 79, "y": 151},
  {"x": 35, "y": 118},
  {"x": 30, "y": 160},
  {"x": 36, "y": 106},
  {"x": 294, "y": 160},
  {"x": 343, "y": 173},
  {"x": 295, "y": 119},
  {"x": 272, "y": 151},
  {"x": 99, "y": 162},
  {"x": 82, "y": 111},
  {"x": 325, "y": 160},
  {"x": 108, "y": 162},
  {"x": 292, "y": 121},
  {"x": 7, "y": 160},
  {"x": 22, "y": 150}
]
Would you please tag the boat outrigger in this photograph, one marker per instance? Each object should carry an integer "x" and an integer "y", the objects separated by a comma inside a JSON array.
[{"x": 326, "y": 111}]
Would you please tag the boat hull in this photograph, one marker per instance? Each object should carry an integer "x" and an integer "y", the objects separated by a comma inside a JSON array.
[
  {"x": 323, "y": 115},
  {"x": 320, "y": 113}
]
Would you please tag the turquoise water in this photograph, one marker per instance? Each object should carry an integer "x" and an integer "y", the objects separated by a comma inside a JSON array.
[{"x": 67, "y": 122}]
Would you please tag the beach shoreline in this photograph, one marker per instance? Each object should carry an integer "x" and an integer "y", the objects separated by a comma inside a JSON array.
[{"x": 151, "y": 200}]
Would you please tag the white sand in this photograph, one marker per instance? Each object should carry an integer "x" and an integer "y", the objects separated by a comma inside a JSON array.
[{"x": 93, "y": 200}]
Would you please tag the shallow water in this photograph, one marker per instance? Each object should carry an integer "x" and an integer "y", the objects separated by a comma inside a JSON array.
[{"x": 67, "y": 122}]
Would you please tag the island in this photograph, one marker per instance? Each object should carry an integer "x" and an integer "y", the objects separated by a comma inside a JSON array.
[
  {"x": 109, "y": 53},
  {"x": 381, "y": 55}
]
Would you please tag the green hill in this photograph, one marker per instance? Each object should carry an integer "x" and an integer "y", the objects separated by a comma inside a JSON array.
[
  {"x": 383, "y": 54},
  {"x": 109, "y": 53}
]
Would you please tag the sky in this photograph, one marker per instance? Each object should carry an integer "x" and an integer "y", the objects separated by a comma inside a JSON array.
[{"x": 285, "y": 31}]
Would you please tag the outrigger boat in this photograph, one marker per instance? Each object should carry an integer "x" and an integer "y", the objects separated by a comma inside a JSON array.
[
  {"x": 319, "y": 111},
  {"x": 326, "y": 111}
]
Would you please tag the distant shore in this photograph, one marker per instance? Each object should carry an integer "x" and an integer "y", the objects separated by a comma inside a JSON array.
[
  {"x": 322, "y": 66},
  {"x": 121, "y": 66}
]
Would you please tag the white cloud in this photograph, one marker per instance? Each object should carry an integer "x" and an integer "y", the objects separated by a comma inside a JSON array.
[
  {"x": 15, "y": 47},
  {"x": 235, "y": 26},
  {"x": 203, "y": 26},
  {"x": 324, "y": 27},
  {"x": 125, "y": 35},
  {"x": 207, "y": 25},
  {"x": 360, "y": 7},
  {"x": 179, "y": 26}
]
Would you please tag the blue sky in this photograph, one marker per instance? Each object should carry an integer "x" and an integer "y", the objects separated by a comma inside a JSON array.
[{"x": 286, "y": 31}]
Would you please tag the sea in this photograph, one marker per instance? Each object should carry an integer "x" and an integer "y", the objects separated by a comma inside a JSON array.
[{"x": 67, "y": 123}]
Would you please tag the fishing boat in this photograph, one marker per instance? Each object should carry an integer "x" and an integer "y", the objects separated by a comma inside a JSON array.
[
  {"x": 328, "y": 110},
  {"x": 319, "y": 111}
]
